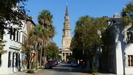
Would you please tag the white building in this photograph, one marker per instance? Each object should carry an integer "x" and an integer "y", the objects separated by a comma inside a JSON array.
[
  {"x": 11, "y": 61},
  {"x": 119, "y": 60}
]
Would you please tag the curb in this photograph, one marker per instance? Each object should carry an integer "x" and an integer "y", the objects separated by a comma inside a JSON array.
[{"x": 37, "y": 71}]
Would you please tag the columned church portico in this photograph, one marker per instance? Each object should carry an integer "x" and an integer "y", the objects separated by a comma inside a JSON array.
[
  {"x": 66, "y": 38},
  {"x": 65, "y": 54}
]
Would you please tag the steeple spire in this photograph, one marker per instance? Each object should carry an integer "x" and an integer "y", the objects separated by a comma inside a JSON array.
[{"x": 66, "y": 11}]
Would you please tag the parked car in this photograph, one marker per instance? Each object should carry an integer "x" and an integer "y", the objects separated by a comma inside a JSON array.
[
  {"x": 52, "y": 63},
  {"x": 56, "y": 62},
  {"x": 69, "y": 62},
  {"x": 74, "y": 64},
  {"x": 48, "y": 66}
]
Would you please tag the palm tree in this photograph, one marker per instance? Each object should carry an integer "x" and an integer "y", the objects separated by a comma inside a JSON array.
[
  {"x": 42, "y": 37},
  {"x": 45, "y": 18},
  {"x": 37, "y": 40}
]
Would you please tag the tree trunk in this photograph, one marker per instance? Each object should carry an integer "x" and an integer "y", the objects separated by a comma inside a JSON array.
[
  {"x": 36, "y": 59},
  {"x": 41, "y": 57}
]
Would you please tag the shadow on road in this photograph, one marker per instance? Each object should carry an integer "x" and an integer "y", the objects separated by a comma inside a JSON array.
[{"x": 64, "y": 67}]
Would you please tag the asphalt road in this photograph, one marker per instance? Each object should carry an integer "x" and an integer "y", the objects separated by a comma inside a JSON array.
[{"x": 62, "y": 69}]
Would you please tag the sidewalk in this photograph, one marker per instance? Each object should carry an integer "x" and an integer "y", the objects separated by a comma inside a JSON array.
[
  {"x": 22, "y": 73},
  {"x": 104, "y": 74},
  {"x": 100, "y": 73}
]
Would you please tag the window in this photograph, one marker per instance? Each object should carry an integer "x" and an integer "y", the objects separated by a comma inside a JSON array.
[
  {"x": 0, "y": 60},
  {"x": 17, "y": 60},
  {"x": 14, "y": 33},
  {"x": 67, "y": 20},
  {"x": 17, "y": 35},
  {"x": 130, "y": 60},
  {"x": 9, "y": 59},
  {"x": 13, "y": 59},
  {"x": 11, "y": 33},
  {"x": 23, "y": 39},
  {"x": 129, "y": 37},
  {"x": 66, "y": 32}
]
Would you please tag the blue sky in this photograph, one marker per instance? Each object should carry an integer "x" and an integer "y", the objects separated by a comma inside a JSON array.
[{"x": 76, "y": 9}]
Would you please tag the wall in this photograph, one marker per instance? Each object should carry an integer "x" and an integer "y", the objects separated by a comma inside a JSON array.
[{"x": 128, "y": 51}]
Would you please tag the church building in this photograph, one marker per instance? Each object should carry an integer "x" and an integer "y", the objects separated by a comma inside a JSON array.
[{"x": 66, "y": 37}]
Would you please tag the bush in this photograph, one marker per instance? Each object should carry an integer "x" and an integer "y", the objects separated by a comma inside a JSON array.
[
  {"x": 94, "y": 69},
  {"x": 30, "y": 71},
  {"x": 40, "y": 68}
]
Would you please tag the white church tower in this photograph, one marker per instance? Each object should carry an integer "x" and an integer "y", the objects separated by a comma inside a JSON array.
[{"x": 66, "y": 38}]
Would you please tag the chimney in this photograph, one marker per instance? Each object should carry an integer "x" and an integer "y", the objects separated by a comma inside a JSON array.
[{"x": 116, "y": 15}]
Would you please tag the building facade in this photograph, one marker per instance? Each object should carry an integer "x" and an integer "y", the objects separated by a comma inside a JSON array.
[
  {"x": 25, "y": 30},
  {"x": 119, "y": 59},
  {"x": 66, "y": 38},
  {"x": 12, "y": 60}
]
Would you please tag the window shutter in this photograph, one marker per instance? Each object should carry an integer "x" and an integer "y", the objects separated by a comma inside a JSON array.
[
  {"x": 14, "y": 34},
  {"x": 13, "y": 59},
  {"x": 10, "y": 33},
  {"x": 9, "y": 59},
  {"x": 17, "y": 35}
]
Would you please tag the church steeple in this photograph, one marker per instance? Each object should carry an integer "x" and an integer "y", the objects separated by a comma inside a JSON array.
[
  {"x": 66, "y": 11},
  {"x": 66, "y": 38},
  {"x": 66, "y": 31}
]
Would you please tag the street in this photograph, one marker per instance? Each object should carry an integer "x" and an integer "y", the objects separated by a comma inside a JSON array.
[{"x": 62, "y": 69}]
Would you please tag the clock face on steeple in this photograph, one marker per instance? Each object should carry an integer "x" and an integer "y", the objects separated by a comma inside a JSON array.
[{"x": 66, "y": 42}]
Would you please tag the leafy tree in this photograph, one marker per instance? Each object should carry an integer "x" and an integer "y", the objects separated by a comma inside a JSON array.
[
  {"x": 87, "y": 36},
  {"x": 36, "y": 41},
  {"x": 41, "y": 34},
  {"x": 52, "y": 51},
  {"x": 127, "y": 10},
  {"x": 1, "y": 46},
  {"x": 27, "y": 48},
  {"x": 127, "y": 14},
  {"x": 1, "y": 41},
  {"x": 12, "y": 11}
]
